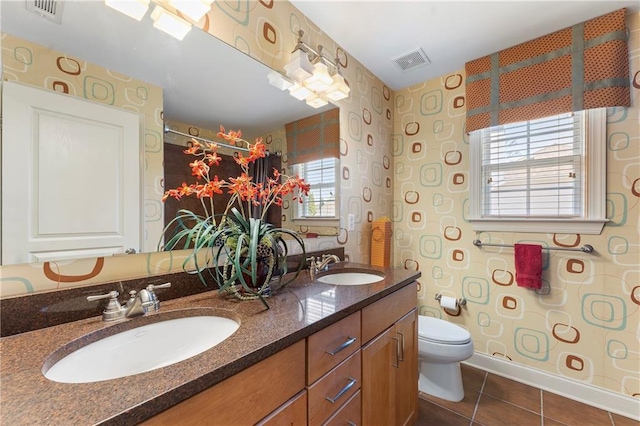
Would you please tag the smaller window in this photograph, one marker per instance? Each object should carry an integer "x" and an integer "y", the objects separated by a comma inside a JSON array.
[
  {"x": 321, "y": 175},
  {"x": 544, "y": 175}
]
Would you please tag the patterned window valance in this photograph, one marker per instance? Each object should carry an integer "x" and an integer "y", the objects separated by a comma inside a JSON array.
[
  {"x": 314, "y": 138},
  {"x": 582, "y": 67}
]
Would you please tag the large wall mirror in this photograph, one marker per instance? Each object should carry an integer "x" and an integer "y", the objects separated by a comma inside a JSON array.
[{"x": 204, "y": 81}]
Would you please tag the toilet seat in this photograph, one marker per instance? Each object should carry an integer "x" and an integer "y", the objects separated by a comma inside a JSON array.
[{"x": 440, "y": 331}]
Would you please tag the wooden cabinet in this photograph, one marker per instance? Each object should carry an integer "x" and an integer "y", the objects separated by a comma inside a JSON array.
[
  {"x": 362, "y": 369},
  {"x": 244, "y": 398},
  {"x": 406, "y": 375},
  {"x": 390, "y": 360},
  {"x": 334, "y": 369}
]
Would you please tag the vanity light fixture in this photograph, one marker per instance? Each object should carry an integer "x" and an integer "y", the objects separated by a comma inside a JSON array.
[
  {"x": 299, "y": 68},
  {"x": 320, "y": 80},
  {"x": 316, "y": 101},
  {"x": 170, "y": 23},
  {"x": 299, "y": 92},
  {"x": 135, "y": 9},
  {"x": 192, "y": 9},
  {"x": 276, "y": 79},
  {"x": 339, "y": 89},
  {"x": 311, "y": 76}
]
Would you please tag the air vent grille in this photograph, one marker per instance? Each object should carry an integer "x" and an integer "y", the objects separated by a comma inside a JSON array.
[
  {"x": 48, "y": 9},
  {"x": 412, "y": 60}
]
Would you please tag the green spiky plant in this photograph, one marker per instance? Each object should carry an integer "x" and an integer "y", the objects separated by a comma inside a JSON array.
[{"x": 239, "y": 252}]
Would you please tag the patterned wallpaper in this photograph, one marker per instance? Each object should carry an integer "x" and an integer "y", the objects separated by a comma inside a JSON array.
[
  {"x": 267, "y": 31},
  {"x": 583, "y": 324}
]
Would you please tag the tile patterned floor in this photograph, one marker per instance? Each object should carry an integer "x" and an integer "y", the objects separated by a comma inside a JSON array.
[{"x": 492, "y": 400}]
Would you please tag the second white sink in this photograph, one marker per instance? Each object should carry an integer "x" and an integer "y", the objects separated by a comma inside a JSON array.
[
  {"x": 350, "y": 278},
  {"x": 142, "y": 349}
]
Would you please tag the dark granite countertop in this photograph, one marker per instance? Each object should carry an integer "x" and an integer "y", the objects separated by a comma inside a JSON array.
[{"x": 297, "y": 311}]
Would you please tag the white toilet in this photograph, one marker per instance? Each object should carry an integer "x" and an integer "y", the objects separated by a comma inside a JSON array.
[{"x": 441, "y": 347}]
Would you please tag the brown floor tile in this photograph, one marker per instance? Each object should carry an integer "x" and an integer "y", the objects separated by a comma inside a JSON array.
[
  {"x": 464, "y": 407},
  {"x": 494, "y": 412},
  {"x": 619, "y": 420},
  {"x": 472, "y": 378},
  {"x": 571, "y": 412},
  {"x": 430, "y": 414},
  {"x": 551, "y": 422},
  {"x": 514, "y": 392}
]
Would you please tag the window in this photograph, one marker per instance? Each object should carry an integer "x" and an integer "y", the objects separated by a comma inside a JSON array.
[
  {"x": 544, "y": 175},
  {"x": 322, "y": 177}
]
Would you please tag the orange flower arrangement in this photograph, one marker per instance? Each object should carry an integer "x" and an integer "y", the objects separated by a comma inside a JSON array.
[
  {"x": 242, "y": 252},
  {"x": 243, "y": 189}
]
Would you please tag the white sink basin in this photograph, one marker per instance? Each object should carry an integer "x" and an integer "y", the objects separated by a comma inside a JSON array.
[
  {"x": 142, "y": 349},
  {"x": 350, "y": 278}
]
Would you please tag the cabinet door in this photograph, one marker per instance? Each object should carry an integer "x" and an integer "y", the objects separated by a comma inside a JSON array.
[
  {"x": 379, "y": 362},
  {"x": 406, "y": 395}
]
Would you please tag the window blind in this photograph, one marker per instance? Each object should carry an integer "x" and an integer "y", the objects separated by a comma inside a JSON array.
[
  {"x": 534, "y": 168},
  {"x": 321, "y": 176}
]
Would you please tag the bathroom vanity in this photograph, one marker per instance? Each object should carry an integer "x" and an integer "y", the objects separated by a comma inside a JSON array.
[{"x": 322, "y": 354}]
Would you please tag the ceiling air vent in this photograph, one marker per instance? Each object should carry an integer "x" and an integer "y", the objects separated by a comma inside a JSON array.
[
  {"x": 412, "y": 60},
  {"x": 48, "y": 9}
]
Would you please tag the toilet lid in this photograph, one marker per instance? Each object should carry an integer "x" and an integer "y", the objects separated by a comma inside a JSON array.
[{"x": 441, "y": 331}]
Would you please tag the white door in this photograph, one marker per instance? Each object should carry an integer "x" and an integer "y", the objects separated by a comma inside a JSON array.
[{"x": 71, "y": 177}]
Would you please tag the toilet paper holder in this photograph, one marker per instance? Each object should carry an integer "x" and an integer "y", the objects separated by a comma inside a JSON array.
[{"x": 460, "y": 300}]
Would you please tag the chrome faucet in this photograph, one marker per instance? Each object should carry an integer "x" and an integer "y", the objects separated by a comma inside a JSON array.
[
  {"x": 321, "y": 264},
  {"x": 139, "y": 303}
]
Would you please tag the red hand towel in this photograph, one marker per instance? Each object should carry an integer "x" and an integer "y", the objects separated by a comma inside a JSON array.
[{"x": 528, "y": 261}]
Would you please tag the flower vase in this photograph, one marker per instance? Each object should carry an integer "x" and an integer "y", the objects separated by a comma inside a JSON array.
[{"x": 265, "y": 267}]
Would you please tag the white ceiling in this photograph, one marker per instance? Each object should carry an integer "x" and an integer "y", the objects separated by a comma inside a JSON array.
[{"x": 450, "y": 32}]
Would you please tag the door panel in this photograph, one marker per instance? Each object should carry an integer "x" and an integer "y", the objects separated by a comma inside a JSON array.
[{"x": 71, "y": 177}]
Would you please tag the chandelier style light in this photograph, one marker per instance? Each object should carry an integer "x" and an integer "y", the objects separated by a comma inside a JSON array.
[
  {"x": 164, "y": 19},
  {"x": 311, "y": 76}
]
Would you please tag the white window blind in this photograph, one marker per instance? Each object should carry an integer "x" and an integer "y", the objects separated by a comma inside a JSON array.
[
  {"x": 545, "y": 175},
  {"x": 321, "y": 176},
  {"x": 534, "y": 168}
]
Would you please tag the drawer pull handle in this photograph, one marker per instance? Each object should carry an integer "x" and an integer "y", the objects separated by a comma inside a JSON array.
[
  {"x": 350, "y": 423},
  {"x": 349, "y": 342},
  {"x": 401, "y": 347},
  {"x": 343, "y": 391}
]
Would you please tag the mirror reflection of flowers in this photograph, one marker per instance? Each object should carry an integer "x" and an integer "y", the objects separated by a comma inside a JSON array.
[{"x": 248, "y": 250}]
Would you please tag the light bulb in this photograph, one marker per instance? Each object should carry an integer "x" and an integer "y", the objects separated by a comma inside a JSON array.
[
  {"x": 193, "y": 9},
  {"x": 320, "y": 80},
  {"x": 299, "y": 92},
  {"x": 135, "y": 9},
  {"x": 299, "y": 68},
  {"x": 316, "y": 101},
  {"x": 170, "y": 23},
  {"x": 339, "y": 89}
]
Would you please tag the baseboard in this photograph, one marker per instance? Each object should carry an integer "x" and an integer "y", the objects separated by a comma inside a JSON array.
[{"x": 607, "y": 400}]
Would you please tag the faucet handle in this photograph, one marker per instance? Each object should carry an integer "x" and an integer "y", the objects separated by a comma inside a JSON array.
[
  {"x": 113, "y": 310},
  {"x": 151, "y": 289}
]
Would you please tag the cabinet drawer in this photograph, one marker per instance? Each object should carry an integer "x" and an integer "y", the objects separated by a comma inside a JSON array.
[
  {"x": 263, "y": 387},
  {"x": 332, "y": 345},
  {"x": 293, "y": 412},
  {"x": 334, "y": 389},
  {"x": 380, "y": 315},
  {"x": 349, "y": 414}
]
